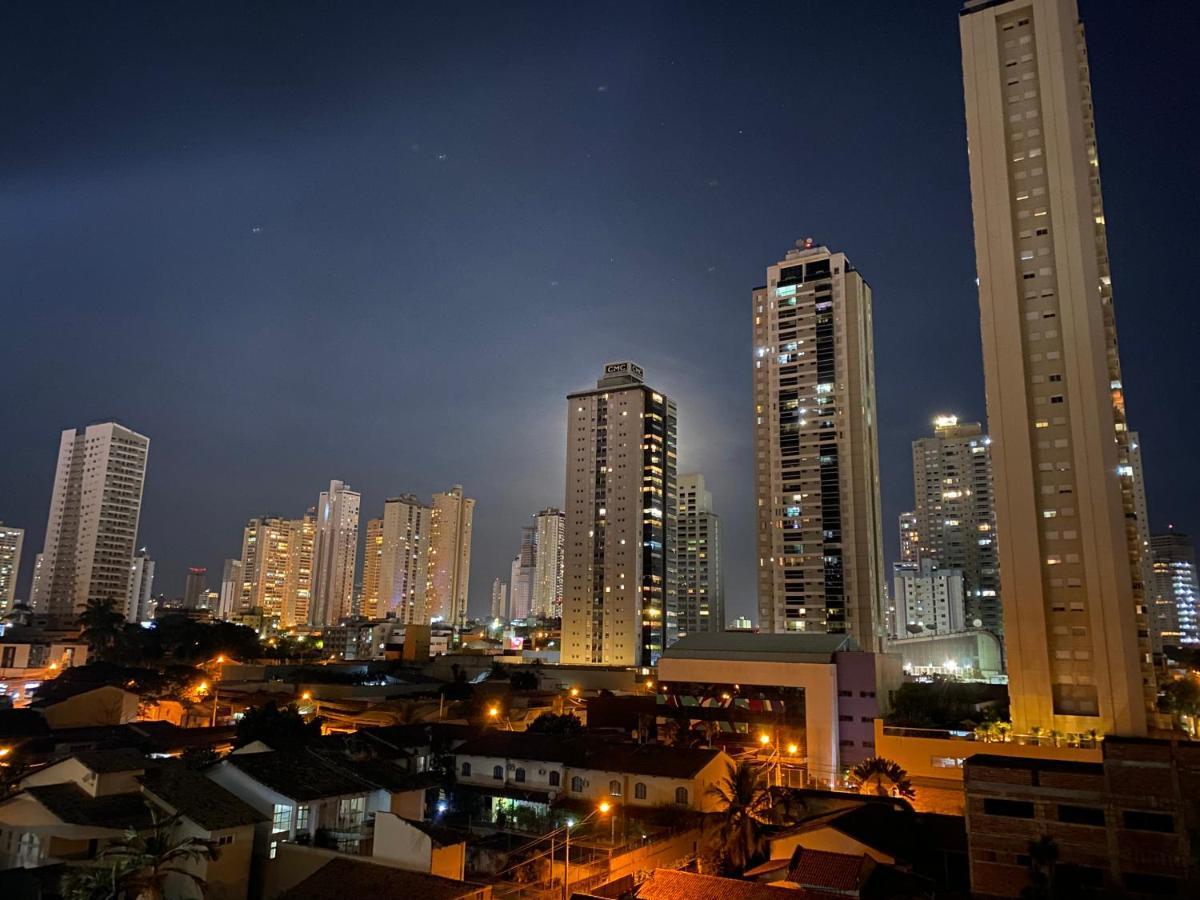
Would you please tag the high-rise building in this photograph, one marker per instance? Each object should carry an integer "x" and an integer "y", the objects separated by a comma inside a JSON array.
[
  {"x": 928, "y": 599},
  {"x": 11, "y": 540},
  {"x": 92, "y": 528},
  {"x": 404, "y": 560},
  {"x": 499, "y": 600},
  {"x": 701, "y": 592},
  {"x": 548, "y": 576},
  {"x": 955, "y": 522},
  {"x": 450, "y": 556},
  {"x": 372, "y": 558},
  {"x": 820, "y": 535},
  {"x": 910, "y": 538},
  {"x": 1174, "y": 592},
  {"x": 524, "y": 575},
  {"x": 231, "y": 589},
  {"x": 195, "y": 588},
  {"x": 335, "y": 552},
  {"x": 619, "y": 582},
  {"x": 1076, "y": 635},
  {"x": 139, "y": 604},
  {"x": 276, "y": 568}
]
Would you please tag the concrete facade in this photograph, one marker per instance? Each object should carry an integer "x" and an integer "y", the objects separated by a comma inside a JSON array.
[
  {"x": 335, "y": 554},
  {"x": 701, "y": 592},
  {"x": 450, "y": 556},
  {"x": 1070, "y": 559},
  {"x": 820, "y": 538}
]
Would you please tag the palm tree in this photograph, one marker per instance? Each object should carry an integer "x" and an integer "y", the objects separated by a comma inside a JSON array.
[
  {"x": 985, "y": 732},
  {"x": 1003, "y": 730},
  {"x": 1043, "y": 857},
  {"x": 148, "y": 859},
  {"x": 882, "y": 777},
  {"x": 734, "y": 832},
  {"x": 102, "y": 626}
]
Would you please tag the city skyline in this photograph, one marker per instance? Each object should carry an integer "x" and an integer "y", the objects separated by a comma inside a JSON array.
[{"x": 709, "y": 406}]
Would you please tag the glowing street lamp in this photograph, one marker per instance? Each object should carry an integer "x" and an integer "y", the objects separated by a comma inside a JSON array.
[{"x": 764, "y": 739}]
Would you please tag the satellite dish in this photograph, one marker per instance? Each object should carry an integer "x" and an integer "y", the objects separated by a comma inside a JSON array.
[{"x": 978, "y": 623}]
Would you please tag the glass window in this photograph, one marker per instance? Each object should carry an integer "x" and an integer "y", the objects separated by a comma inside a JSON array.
[
  {"x": 681, "y": 796},
  {"x": 577, "y": 783},
  {"x": 639, "y": 791},
  {"x": 614, "y": 788},
  {"x": 302, "y": 818},
  {"x": 466, "y": 768},
  {"x": 498, "y": 773},
  {"x": 520, "y": 775},
  {"x": 282, "y": 820},
  {"x": 555, "y": 778}
]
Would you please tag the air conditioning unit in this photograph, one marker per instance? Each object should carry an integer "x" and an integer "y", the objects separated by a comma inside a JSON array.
[{"x": 541, "y": 771}]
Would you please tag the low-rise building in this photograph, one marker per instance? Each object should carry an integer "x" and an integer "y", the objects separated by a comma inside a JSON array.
[
  {"x": 68, "y": 811},
  {"x": 1122, "y": 826},
  {"x": 83, "y": 705},
  {"x": 311, "y": 873},
  {"x": 817, "y": 692},
  {"x": 515, "y": 768}
]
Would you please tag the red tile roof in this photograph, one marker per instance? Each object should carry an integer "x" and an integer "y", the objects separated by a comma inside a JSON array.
[
  {"x": 825, "y": 871},
  {"x": 668, "y": 884}
]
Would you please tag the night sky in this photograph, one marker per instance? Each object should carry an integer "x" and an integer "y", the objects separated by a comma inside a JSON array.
[{"x": 381, "y": 242}]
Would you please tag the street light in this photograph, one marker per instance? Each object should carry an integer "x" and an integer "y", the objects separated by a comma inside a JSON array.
[{"x": 604, "y": 807}]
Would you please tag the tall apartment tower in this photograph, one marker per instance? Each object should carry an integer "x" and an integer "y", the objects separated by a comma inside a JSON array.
[
  {"x": 523, "y": 575},
  {"x": 11, "y": 541},
  {"x": 928, "y": 598},
  {"x": 92, "y": 528},
  {"x": 231, "y": 589},
  {"x": 450, "y": 556},
  {"x": 499, "y": 600},
  {"x": 372, "y": 559},
  {"x": 1174, "y": 592},
  {"x": 955, "y": 517},
  {"x": 701, "y": 592},
  {"x": 139, "y": 605},
  {"x": 195, "y": 588},
  {"x": 1075, "y": 625},
  {"x": 335, "y": 553},
  {"x": 404, "y": 560},
  {"x": 276, "y": 568},
  {"x": 910, "y": 538},
  {"x": 820, "y": 537},
  {"x": 551, "y": 534},
  {"x": 619, "y": 581}
]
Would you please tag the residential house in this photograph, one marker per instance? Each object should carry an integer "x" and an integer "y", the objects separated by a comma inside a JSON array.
[
  {"x": 310, "y": 873},
  {"x": 420, "y": 846},
  {"x": 523, "y": 770},
  {"x": 66, "y": 812},
  {"x": 81, "y": 705}
]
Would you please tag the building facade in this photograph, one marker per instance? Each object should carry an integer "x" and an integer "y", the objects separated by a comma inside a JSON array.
[
  {"x": 1174, "y": 592},
  {"x": 195, "y": 588},
  {"x": 91, "y": 532},
  {"x": 546, "y": 601},
  {"x": 701, "y": 593},
  {"x": 276, "y": 568},
  {"x": 619, "y": 591},
  {"x": 910, "y": 538},
  {"x": 139, "y": 605},
  {"x": 404, "y": 559},
  {"x": 335, "y": 553},
  {"x": 499, "y": 600},
  {"x": 231, "y": 589},
  {"x": 955, "y": 521},
  {"x": 1077, "y": 643},
  {"x": 11, "y": 541},
  {"x": 523, "y": 575},
  {"x": 820, "y": 539},
  {"x": 929, "y": 599},
  {"x": 450, "y": 555},
  {"x": 372, "y": 559}
]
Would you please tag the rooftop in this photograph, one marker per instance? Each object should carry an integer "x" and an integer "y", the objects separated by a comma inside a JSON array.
[
  {"x": 670, "y": 884},
  {"x": 829, "y": 871},
  {"x": 1030, "y": 764},
  {"x": 310, "y": 775},
  {"x": 74, "y": 806},
  {"x": 202, "y": 800},
  {"x": 106, "y": 762},
  {"x": 342, "y": 877},
  {"x": 740, "y": 645},
  {"x": 584, "y": 752}
]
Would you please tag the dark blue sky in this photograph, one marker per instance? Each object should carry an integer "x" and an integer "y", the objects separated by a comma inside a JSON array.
[{"x": 380, "y": 241}]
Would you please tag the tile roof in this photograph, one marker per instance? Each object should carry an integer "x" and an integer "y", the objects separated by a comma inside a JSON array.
[
  {"x": 298, "y": 774},
  {"x": 202, "y": 800},
  {"x": 310, "y": 774},
  {"x": 106, "y": 762},
  {"x": 588, "y": 752},
  {"x": 343, "y": 877},
  {"x": 669, "y": 884},
  {"x": 822, "y": 870},
  {"x": 441, "y": 835},
  {"x": 75, "y": 806}
]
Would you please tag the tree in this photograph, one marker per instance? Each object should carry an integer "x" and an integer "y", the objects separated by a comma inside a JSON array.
[
  {"x": 1181, "y": 698},
  {"x": 524, "y": 680},
  {"x": 137, "y": 865},
  {"x": 102, "y": 626},
  {"x": 549, "y": 723},
  {"x": 882, "y": 777},
  {"x": 279, "y": 728},
  {"x": 1043, "y": 858},
  {"x": 735, "y": 832}
]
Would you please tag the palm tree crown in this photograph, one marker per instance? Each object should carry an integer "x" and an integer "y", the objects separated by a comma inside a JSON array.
[{"x": 882, "y": 777}]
